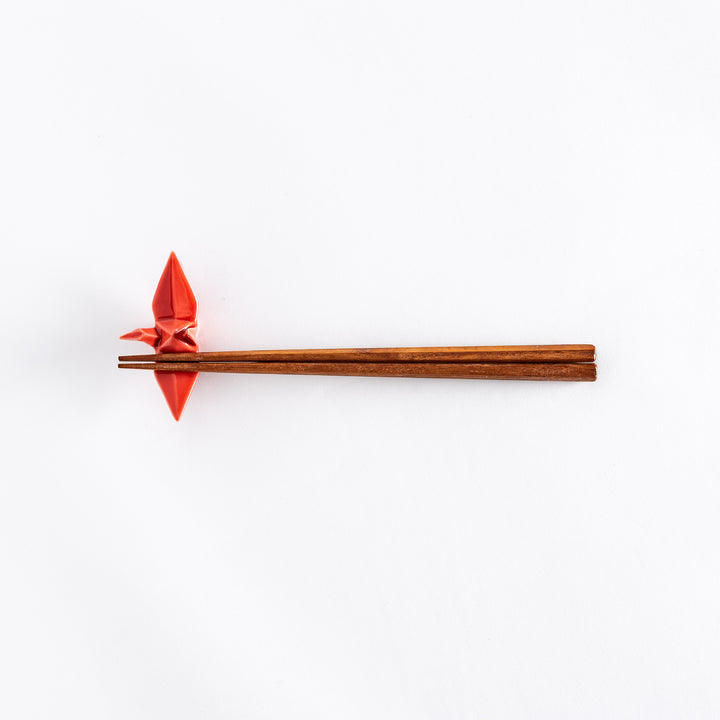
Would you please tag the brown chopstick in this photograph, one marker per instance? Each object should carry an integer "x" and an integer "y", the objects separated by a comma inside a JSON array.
[
  {"x": 482, "y": 371},
  {"x": 469, "y": 354}
]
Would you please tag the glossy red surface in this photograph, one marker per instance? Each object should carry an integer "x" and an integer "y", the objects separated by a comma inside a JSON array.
[{"x": 175, "y": 310}]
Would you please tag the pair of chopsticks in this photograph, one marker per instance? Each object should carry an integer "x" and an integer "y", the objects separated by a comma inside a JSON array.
[{"x": 504, "y": 362}]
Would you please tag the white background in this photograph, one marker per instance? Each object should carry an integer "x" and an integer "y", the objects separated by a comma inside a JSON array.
[{"x": 361, "y": 174}]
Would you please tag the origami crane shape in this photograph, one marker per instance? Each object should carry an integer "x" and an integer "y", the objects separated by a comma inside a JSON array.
[{"x": 175, "y": 310}]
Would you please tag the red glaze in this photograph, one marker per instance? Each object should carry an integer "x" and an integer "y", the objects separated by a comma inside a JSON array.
[{"x": 175, "y": 310}]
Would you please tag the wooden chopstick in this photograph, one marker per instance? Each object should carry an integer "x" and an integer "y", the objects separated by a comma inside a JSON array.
[
  {"x": 470, "y": 354},
  {"x": 481, "y": 371}
]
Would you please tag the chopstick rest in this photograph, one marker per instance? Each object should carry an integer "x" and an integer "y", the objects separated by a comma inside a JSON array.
[
  {"x": 177, "y": 360},
  {"x": 175, "y": 310}
]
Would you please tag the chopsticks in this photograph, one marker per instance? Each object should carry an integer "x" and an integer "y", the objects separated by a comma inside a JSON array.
[
  {"x": 504, "y": 362},
  {"x": 483, "y": 354}
]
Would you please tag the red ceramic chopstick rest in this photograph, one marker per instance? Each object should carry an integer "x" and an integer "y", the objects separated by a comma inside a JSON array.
[{"x": 175, "y": 310}]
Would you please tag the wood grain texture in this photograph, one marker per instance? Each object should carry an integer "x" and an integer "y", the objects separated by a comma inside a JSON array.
[
  {"x": 469, "y": 354},
  {"x": 584, "y": 372}
]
